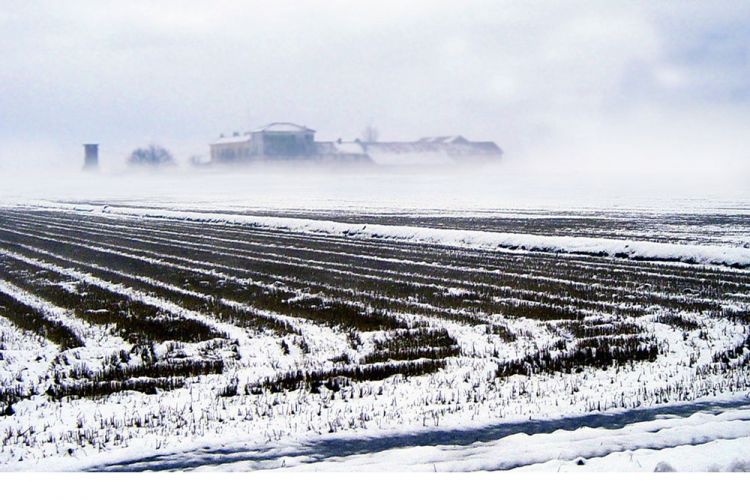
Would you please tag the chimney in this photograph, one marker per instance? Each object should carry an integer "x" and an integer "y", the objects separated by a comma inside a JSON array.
[{"x": 91, "y": 158}]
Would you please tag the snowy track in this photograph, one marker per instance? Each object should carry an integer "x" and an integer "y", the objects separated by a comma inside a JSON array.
[{"x": 671, "y": 437}]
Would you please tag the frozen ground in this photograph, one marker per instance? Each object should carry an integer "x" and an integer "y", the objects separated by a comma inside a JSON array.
[{"x": 309, "y": 331}]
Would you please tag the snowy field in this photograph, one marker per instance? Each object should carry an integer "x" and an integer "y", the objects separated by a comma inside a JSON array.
[
  {"x": 711, "y": 435},
  {"x": 428, "y": 236},
  {"x": 147, "y": 336},
  {"x": 155, "y": 333}
]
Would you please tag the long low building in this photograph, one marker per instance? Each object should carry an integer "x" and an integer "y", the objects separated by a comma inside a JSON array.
[{"x": 283, "y": 141}]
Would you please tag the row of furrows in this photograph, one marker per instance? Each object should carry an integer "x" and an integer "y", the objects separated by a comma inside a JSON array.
[
  {"x": 267, "y": 248},
  {"x": 95, "y": 384},
  {"x": 381, "y": 275},
  {"x": 680, "y": 277},
  {"x": 458, "y": 283},
  {"x": 212, "y": 231},
  {"x": 406, "y": 352},
  {"x": 398, "y": 247},
  {"x": 131, "y": 273},
  {"x": 595, "y": 343},
  {"x": 161, "y": 271},
  {"x": 309, "y": 281},
  {"x": 513, "y": 291},
  {"x": 226, "y": 295},
  {"x": 204, "y": 289},
  {"x": 648, "y": 227},
  {"x": 138, "y": 323},
  {"x": 27, "y": 318},
  {"x": 681, "y": 303},
  {"x": 133, "y": 320},
  {"x": 537, "y": 303},
  {"x": 340, "y": 376},
  {"x": 147, "y": 375},
  {"x": 249, "y": 235},
  {"x": 87, "y": 302},
  {"x": 661, "y": 227}
]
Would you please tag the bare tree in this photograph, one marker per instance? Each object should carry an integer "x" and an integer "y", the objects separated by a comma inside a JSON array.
[
  {"x": 152, "y": 155},
  {"x": 369, "y": 134}
]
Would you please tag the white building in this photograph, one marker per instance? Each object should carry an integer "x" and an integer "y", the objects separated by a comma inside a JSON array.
[{"x": 284, "y": 141}]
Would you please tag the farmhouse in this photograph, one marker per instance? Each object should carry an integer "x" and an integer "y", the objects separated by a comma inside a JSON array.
[
  {"x": 274, "y": 141},
  {"x": 284, "y": 141}
]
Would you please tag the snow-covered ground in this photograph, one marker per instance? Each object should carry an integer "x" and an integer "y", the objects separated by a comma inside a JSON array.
[
  {"x": 179, "y": 257},
  {"x": 711, "y": 439},
  {"x": 703, "y": 441},
  {"x": 646, "y": 250},
  {"x": 710, "y": 434}
]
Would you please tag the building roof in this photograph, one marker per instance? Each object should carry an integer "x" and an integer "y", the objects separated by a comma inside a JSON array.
[
  {"x": 444, "y": 139},
  {"x": 232, "y": 139},
  {"x": 283, "y": 127},
  {"x": 430, "y": 152},
  {"x": 340, "y": 148}
]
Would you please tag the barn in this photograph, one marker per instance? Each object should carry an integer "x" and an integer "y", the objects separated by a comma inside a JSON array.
[
  {"x": 285, "y": 141},
  {"x": 275, "y": 141}
]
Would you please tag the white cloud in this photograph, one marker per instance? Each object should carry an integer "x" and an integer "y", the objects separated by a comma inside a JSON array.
[{"x": 671, "y": 77}]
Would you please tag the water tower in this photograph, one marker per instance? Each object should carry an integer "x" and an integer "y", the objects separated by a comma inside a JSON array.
[{"x": 91, "y": 158}]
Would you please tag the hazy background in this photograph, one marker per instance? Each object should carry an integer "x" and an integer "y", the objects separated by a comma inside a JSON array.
[{"x": 585, "y": 97}]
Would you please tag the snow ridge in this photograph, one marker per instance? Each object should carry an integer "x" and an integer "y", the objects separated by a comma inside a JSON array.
[{"x": 631, "y": 249}]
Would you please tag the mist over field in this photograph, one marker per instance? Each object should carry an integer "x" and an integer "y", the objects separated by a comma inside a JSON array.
[
  {"x": 508, "y": 184},
  {"x": 587, "y": 99}
]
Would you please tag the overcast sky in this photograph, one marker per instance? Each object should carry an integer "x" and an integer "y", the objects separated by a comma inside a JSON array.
[{"x": 598, "y": 80}]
